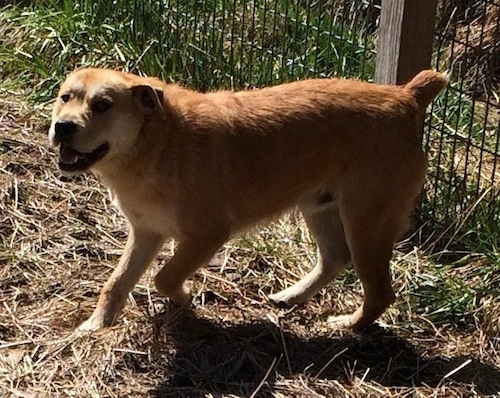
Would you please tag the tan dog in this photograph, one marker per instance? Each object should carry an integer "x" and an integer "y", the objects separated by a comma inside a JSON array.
[{"x": 201, "y": 167}]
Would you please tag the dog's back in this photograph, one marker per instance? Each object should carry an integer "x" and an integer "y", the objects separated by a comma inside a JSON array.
[{"x": 258, "y": 152}]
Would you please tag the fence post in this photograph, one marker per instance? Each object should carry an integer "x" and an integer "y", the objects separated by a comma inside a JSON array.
[{"x": 405, "y": 39}]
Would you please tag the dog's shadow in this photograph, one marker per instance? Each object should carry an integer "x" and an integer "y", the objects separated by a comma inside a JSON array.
[{"x": 195, "y": 354}]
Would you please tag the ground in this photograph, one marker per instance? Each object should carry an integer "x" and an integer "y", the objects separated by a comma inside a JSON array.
[{"x": 61, "y": 239}]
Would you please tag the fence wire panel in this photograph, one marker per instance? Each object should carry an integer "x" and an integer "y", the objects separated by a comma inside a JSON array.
[
  {"x": 220, "y": 43},
  {"x": 462, "y": 140}
]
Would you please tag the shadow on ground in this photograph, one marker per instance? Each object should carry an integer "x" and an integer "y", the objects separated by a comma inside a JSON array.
[{"x": 192, "y": 353}]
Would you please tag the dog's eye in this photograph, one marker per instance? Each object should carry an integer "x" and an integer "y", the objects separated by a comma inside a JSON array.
[
  {"x": 100, "y": 106},
  {"x": 65, "y": 98}
]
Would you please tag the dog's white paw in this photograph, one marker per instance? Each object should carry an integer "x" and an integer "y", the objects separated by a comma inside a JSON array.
[
  {"x": 287, "y": 297},
  {"x": 340, "y": 321},
  {"x": 279, "y": 298},
  {"x": 94, "y": 323},
  {"x": 182, "y": 298},
  {"x": 179, "y": 295}
]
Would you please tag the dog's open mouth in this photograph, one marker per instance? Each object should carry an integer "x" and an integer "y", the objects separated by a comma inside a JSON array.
[{"x": 72, "y": 160}]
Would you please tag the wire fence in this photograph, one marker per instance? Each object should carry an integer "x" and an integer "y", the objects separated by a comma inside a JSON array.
[
  {"x": 238, "y": 44},
  {"x": 218, "y": 43},
  {"x": 462, "y": 139}
]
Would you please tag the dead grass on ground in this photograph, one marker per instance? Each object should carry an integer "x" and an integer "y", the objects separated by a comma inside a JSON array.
[{"x": 60, "y": 240}]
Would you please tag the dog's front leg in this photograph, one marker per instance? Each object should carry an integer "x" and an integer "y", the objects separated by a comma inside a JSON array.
[
  {"x": 190, "y": 255},
  {"x": 141, "y": 248}
]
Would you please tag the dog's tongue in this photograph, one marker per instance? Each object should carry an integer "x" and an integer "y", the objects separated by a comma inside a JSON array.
[{"x": 69, "y": 155}]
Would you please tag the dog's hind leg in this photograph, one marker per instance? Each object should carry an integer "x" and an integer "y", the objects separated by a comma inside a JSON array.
[
  {"x": 371, "y": 256},
  {"x": 332, "y": 255},
  {"x": 371, "y": 230}
]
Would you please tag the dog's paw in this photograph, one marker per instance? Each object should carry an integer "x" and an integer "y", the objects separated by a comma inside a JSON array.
[
  {"x": 340, "y": 322},
  {"x": 287, "y": 297},
  {"x": 349, "y": 322},
  {"x": 182, "y": 299},
  {"x": 279, "y": 299},
  {"x": 179, "y": 295},
  {"x": 94, "y": 323}
]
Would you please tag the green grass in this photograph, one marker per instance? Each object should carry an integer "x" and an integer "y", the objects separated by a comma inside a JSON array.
[{"x": 445, "y": 297}]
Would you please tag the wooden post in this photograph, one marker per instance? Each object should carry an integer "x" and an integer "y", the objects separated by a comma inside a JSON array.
[{"x": 405, "y": 39}]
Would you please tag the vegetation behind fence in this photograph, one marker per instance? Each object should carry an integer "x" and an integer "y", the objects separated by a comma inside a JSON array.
[{"x": 464, "y": 125}]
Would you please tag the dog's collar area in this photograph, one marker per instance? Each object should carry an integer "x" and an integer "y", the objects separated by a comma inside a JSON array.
[{"x": 73, "y": 160}]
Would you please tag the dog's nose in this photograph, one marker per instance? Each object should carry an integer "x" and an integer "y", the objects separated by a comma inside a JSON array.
[{"x": 64, "y": 130}]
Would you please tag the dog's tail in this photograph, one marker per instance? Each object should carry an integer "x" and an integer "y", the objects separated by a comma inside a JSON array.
[{"x": 426, "y": 86}]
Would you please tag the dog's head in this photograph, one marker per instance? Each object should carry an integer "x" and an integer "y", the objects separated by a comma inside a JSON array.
[{"x": 98, "y": 116}]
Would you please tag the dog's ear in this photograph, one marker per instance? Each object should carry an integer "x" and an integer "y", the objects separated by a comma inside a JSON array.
[{"x": 150, "y": 100}]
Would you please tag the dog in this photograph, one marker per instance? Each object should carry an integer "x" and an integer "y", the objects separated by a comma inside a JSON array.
[{"x": 201, "y": 167}]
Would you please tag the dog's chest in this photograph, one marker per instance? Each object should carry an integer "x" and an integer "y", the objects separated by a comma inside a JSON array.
[{"x": 154, "y": 216}]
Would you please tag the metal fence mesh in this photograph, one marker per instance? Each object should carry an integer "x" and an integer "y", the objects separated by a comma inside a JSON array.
[
  {"x": 213, "y": 44},
  {"x": 462, "y": 140}
]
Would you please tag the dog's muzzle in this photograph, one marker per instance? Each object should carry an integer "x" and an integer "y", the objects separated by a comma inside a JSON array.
[{"x": 70, "y": 159}]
